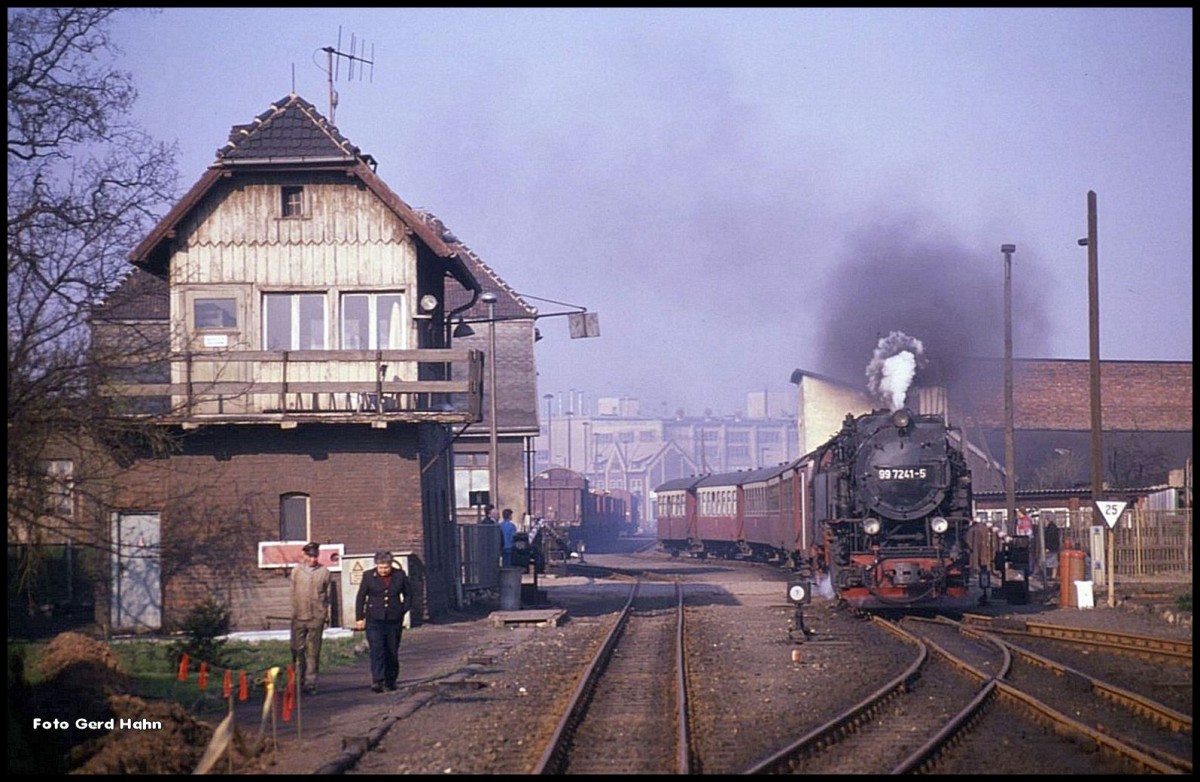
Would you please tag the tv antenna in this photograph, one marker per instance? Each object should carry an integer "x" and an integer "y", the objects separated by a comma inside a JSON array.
[{"x": 357, "y": 54}]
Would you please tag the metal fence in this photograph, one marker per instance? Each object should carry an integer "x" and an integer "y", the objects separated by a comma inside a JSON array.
[
  {"x": 1148, "y": 543},
  {"x": 479, "y": 551}
]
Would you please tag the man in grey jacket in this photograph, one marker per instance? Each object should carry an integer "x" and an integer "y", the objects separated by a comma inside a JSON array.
[{"x": 310, "y": 608}]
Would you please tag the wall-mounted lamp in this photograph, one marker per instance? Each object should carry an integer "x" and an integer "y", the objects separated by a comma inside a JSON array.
[
  {"x": 428, "y": 302},
  {"x": 462, "y": 329}
]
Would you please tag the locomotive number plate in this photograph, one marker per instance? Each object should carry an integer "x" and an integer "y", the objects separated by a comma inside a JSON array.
[{"x": 902, "y": 473}]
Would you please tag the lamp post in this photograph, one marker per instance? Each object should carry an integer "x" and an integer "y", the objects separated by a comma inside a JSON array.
[
  {"x": 1010, "y": 493},
  {"x": 570, "y": 413},
  {"x": 587, "y": 428},
  {"x": 549, "y": 432},
  {"x": 489, "y": 299}
]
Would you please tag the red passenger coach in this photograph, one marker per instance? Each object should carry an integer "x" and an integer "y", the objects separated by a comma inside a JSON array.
[
  {"x": 754, "y": 514},
  {"x": 675, "y": 514}
]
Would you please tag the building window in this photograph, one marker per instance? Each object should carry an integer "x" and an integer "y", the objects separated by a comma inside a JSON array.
[
  {"x": 738, "y": 436},
  {"x": 768, "y": 436},
  {"x": 293, "y": 201},
  {"x": 294, "y": 321},
  {"x": 648, "y": 436},
  {"x": 625, "y": 437},
  {"x": 293, "y": 517},
  {"x": 604, "y": 438},
  {"x": 215, "y": 313},
  {"x": 59, "y": 491},
  {"x": 470, "y": 474},
  {"x": 373, "y": 321}
]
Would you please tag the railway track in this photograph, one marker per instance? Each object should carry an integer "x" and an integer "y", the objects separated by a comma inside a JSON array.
[
  {"x": 964, "y": 687},
  {"x": 607, "y": 693},
  {"x": 1132, "y": 733},
  {"x": 1145, "y": 646},
  {"x": 632, "y": 695},
  {"x": 872, "y": 736}
]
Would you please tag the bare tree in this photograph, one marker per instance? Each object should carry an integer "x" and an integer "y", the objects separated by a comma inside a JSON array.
[{"x": 84, "y": 186}]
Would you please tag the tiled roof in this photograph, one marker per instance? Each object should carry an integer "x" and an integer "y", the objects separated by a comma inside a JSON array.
[
  {"x": 291, "y": 128},
  {"x": 140, "y": 296}
]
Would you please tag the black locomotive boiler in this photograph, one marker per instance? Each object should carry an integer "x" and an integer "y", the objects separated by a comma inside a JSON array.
[{"x": 892, "y": 504}]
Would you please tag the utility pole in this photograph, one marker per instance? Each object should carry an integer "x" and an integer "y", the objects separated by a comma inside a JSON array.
[
  {"x": 1094, "y": 365},
  {"x": 1010, "y": 492}
]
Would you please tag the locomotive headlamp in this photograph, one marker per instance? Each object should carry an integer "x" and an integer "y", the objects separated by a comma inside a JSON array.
[
  {"x": 901, "y": 419},
  {"x": 872, "y": 526},
  {"x": 800, "y": 592},
  {"x": 939, "y": 524}
]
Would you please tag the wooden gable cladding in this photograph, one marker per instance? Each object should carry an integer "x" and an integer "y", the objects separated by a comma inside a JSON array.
[{"x": 346, "y": 236}]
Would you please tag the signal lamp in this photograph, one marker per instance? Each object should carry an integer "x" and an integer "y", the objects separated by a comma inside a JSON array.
[
  {"x": 939, "y": 524},
  {"x": 872, "y": 526},
  {"x": 800, "y": 592}
]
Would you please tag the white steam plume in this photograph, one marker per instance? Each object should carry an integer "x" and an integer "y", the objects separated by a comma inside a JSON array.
[{"x": 893, "y": 367}]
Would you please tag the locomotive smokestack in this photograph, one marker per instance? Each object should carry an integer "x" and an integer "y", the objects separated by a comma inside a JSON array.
[{"x": 893, "y": 367}]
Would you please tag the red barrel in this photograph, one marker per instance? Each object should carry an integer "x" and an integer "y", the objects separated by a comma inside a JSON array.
[{"x": 1071, "y": 568}]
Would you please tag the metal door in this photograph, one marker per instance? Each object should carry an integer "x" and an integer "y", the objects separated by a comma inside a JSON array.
[{"x": 137, "y": 572}]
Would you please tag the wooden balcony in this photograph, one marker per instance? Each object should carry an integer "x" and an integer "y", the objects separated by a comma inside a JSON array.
[{"x": 310, "y": 386}]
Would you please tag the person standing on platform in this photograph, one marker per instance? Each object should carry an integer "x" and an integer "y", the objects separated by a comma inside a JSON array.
[
  {"x": 379, "y": 609},
  {"x": 508, "y": 529},
  {"x": 489, "y": 515},
  {"x": 984, "y": 543},
  {"x": 1052, "y": 545},
  {"x": 311, "y": 584}
]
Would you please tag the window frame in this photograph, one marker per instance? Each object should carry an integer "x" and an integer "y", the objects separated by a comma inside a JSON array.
[
  {"x": 468, "y": 468},
  {"x": 198, "y": 328},
  {"x": 292, "y": 208},
  {"x": 373, "y": 318},
  {"x": 294, "y": 320},
  {"x": 58, "y": 498},
  {"x": 283, "y": 520}
]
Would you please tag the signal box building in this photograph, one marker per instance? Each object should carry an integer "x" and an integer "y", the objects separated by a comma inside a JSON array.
[{"x": 303, "y": 363}]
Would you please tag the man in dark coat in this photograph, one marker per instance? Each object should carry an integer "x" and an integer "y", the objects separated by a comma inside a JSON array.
[{"x": 379, "y": 608}]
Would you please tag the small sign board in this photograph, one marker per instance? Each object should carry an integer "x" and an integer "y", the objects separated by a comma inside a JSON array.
[
  {"x": 1111, "y": 510},
  {"x": 583, "y": 324},
  {"x": 283, "y": 553}
]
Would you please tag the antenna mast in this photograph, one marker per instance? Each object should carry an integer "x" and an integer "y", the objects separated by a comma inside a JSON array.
[{"x": 357, "y": 54}]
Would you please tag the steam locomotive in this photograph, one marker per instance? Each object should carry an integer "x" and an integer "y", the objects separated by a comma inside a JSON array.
[{"x": 881, "y": 510}]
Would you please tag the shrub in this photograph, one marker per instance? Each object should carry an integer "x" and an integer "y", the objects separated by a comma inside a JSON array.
[{"x": 202, "y": 628}]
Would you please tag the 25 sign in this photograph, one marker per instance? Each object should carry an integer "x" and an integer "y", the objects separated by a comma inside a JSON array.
[{"x": 1111, "y": 510}]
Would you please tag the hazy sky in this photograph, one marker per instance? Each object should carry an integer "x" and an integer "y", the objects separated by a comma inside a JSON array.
[{"x": 742, "y": 192}]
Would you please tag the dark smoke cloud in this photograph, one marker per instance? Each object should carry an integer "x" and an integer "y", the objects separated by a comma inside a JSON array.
[{"x": 900, "y": 276}]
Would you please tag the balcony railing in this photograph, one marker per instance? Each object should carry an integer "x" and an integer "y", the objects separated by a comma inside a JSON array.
[{"x": 290, "y": 387}]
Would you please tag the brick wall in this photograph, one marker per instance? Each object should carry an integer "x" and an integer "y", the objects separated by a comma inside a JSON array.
[
  {"x": 220, "y": 495},
  {"x": 1056, "y": 395}
]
